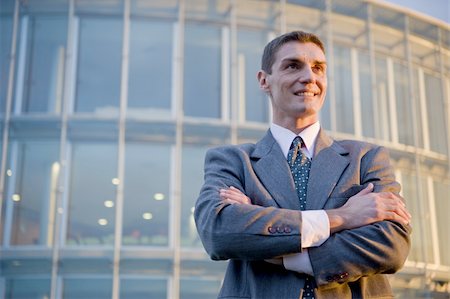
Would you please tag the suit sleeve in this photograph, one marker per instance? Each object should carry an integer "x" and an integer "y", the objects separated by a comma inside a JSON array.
[
  {"x": 238, "y": 231},
  {"x": 381, "y": 247}
]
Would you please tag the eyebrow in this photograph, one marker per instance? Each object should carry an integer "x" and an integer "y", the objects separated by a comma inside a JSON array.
[{"x": 296, "y": 60}]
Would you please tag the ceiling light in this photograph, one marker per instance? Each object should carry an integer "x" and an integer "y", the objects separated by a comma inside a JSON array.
[
  {"x": 15, "y": 197},
  {"x": 147, "y": 216},
  {"x": 102, "y": 221},
  {"x": 108, "y": 203},
  {"x": 158, "y": 196}
]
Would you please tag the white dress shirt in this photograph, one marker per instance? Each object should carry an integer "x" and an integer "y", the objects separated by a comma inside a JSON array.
[{"x": 315, "y": 223}]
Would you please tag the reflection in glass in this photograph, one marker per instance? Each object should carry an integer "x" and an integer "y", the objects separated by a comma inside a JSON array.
[
  {"x": 202, "y": 71},
  {"x": 143, "y": 288},
  {"x": 27, "y": 288},
  {"x": 146, "y": 194},
  {"x": 442, "y": 204},
  {"x": 150, "y": 68},
  {"x": 344, "y": 97},
  {"x": 80, "y": 288},
  {"x": 92, "y": 182},
  {"x": 44, "y": 65},
  {"x": 34, "y": 175},
  {"x": 250, "y": 47},
  {"x": 192, "y": 180},
  {"x": 99, "y": 62}
]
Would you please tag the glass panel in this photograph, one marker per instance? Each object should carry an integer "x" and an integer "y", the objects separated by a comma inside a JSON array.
[
  {"x": 150, "y": 68},
  {"x": 442, "y": 204},
  {"x": 143, "y": 288},
  {"x": 344, "y": 97},
  {"x": 44, "y": 65},
  {"x": 250, "y": 47},
  {"x": 421, "y": 244},
  {"x": 311, "y": 16},
  {"x": 382, "y": 113},
  {"x": 436, "y": 114},
  {"x": 146, "y": 194},
  {"x": 259, "y": 14},
  {"x": 349, "y": 22},
  {"x": 33, "y": 179},
  {"x": 92, "y": 184},
  {"x": 99, "y": 62},
  {"x": 403, "y": 104},
  {"x": 6, "y": 25},
  {"x": 80, "y": 288},
  {"x": 192, "y": 180},
  {"x": 365, "y": 89},
  {"x": 27, "y": 288},
  {"x": 191, "y": 288},
  {"x": 202, "y": 71}
]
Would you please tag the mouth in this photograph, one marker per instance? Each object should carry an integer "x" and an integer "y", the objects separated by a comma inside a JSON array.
[{"x": 305, "y": 93}]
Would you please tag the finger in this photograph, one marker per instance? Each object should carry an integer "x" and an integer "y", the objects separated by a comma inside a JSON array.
[{"x": 366, "y": 190}]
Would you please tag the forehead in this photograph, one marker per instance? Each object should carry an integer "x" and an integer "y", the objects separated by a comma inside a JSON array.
[{"x": 300, "y": 51}]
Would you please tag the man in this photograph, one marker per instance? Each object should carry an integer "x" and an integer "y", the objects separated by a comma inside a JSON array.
[{"x": 298, "y": 214}]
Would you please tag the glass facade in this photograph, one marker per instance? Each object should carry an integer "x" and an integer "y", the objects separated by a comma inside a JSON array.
[{"x": 108, "y": 107}]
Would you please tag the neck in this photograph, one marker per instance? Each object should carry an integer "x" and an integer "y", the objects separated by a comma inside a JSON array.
[{"x": 296, "y": 125}]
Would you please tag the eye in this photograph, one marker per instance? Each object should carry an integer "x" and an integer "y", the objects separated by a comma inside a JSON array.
[
  {"x": 293, "y": 66},
  {"x": 318, "y": 68}
]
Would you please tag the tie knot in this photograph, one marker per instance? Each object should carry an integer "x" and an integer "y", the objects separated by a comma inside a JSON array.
[{"x": 297, "y": 142}]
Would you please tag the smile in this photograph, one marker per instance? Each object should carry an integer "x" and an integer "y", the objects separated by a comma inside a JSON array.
[{"x": 305, "y": 93}]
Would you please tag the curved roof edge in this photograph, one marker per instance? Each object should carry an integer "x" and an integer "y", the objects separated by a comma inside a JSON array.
[{"x": 410, "y": 12}]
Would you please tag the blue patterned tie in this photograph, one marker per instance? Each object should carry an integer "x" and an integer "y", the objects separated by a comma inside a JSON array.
[{"x": 300, "y": 166}]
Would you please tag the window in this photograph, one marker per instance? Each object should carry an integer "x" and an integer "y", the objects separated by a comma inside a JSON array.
[
  {"x": 143, "y": 288},
  {"x": 192, "y": 180},
  {"x": 92, "y": 287},
  {"x": 99, "y": 65},
  {"x": 382, "y": 111},
  {"x": 5, "y": 53},
  {"x": 367, "y": 102},
  {"x": 250, "y": 48},
  {"x": 32, "y": 181},
  {"x": 92, "y": 194},
  {"x": 146, "y": 196},
  {"x": 403, "y": 104},
  {"x": 191, "y": 288},
  {"x": 202, "y": 71},
  {"x": 43, "y": 65},
  {"x": 436, "y": 114},
  {"x": 149, "y": 90},
  {"x": 344, "y": 97},
  {"x": 442, "y": 204},
  {"x": 27, "y": 288}
]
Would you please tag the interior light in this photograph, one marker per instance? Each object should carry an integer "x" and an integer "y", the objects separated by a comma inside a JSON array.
[
  {"x": 147, "y": 216},
  {"x": 9, "y": 172},
  {"x": 158, "y": 196},
  {"x": 115, "y": 181},
  {"x": 108, "y": 203},
  {"x": 102, "y": 221},
  {"x": 15, "y": 197}
]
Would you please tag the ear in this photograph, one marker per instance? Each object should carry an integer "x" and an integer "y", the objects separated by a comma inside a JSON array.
[{"x": 264, "y": 85}]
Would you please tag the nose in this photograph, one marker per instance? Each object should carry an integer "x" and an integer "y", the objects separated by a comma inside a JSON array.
[{"x": 307, "y": 75}]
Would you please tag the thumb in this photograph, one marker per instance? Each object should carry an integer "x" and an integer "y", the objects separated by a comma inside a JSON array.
[{"x": 366, "y": 190}]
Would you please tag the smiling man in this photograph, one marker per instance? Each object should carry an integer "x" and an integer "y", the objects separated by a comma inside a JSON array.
[{"x": 298, "y": 214}]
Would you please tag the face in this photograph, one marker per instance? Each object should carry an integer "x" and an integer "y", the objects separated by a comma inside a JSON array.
[{"x": 297, "y": 85}]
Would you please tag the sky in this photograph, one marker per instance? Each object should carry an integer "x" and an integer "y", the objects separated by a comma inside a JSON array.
[{"x": 439, "y": 9}]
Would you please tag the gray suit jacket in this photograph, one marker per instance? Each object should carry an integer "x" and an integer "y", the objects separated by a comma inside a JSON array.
[{"x": 350, "y": 264}]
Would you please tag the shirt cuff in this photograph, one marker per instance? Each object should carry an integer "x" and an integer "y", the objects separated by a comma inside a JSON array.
[
  {"x": 298, "y": 262},
  {"x": 315, "y": 228}
]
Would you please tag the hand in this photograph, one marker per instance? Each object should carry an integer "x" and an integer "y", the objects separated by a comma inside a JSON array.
[
  {"x": 233, "y": 195},
  {"x": 368, "y": 207}
]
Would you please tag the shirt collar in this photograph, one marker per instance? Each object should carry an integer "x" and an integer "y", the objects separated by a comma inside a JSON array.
[{"x": 285, "y": 136}]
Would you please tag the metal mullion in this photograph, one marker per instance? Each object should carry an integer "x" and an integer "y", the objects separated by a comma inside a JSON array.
[
  {"x": 433, "y": 220},
  {"x": 176, "y": 157},
  {"x": 423, "y": 110},
  {"x": 121, "y": 150},
  {"x": 357, "y": 121},
  {"x": 331, "y": 66},
  {"x": 392, "y": 100},
  {"x": 7, "y": 118}
]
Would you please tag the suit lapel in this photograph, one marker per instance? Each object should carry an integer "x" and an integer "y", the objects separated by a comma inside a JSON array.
[
  {"x": 329, "y": 161},
  {"x": 273, "y": 171}
]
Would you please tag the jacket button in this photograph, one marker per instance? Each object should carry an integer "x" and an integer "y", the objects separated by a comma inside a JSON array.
[
  {"x": 329, "y": 278},
  {"x": 280, "y": 229},
  {"x": 287, "y": 229},
  {"x": 272, "y": 230}
]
